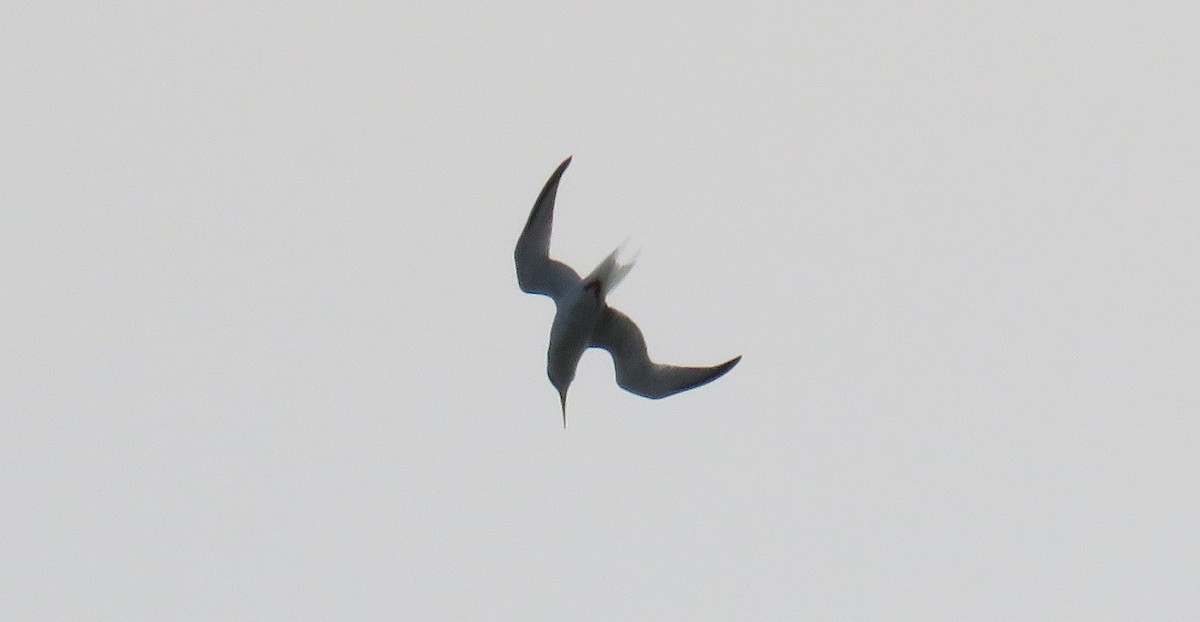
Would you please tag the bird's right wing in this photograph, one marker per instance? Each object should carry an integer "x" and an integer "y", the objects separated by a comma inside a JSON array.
[
  {"x": 537, "y": 273},
  {"x": 638, "y": 374}
]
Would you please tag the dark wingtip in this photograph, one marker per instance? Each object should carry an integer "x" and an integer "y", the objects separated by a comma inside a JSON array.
[
  {"x": 710, "y": 374},
  {"x": 723, "y": 368},
  {"x": 552, "y": 183}
]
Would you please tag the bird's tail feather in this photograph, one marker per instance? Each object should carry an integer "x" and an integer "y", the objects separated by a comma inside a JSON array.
[{"x": 610, "y": 272}]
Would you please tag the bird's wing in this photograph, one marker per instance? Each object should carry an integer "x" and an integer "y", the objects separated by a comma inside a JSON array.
[
  {"x": 636, "y": 373},
  {"x": 536, "y": 272}
]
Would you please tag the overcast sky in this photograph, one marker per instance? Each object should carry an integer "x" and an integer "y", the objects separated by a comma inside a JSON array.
[{"x": 263, "y": 355}]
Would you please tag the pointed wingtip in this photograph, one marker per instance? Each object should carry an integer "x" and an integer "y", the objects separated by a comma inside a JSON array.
[{"x": 555, "y": 176}]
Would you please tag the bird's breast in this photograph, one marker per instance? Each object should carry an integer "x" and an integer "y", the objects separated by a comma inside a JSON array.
[{"x": 574, "y": 324}]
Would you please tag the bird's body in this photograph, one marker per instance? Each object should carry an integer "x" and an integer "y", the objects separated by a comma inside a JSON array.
[
  {"x": 584, "y": 320},
  {"x": 575, "y": 320}
]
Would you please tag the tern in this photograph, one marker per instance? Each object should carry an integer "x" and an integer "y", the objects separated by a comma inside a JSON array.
[{"x": 583, "y": 318}]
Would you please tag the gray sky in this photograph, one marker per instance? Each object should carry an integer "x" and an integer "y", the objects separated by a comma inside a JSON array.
[{"x": 264, "y": 356}]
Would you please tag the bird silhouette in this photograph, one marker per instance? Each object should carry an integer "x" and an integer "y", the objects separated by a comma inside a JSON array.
[{"x": 583, "y": 318}]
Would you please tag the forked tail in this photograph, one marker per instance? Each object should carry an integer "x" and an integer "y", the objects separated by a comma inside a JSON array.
[{"x": 610, "y": 272}]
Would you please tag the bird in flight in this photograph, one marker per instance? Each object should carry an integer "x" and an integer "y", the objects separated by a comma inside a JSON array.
[{"x": 584, "y": 319}]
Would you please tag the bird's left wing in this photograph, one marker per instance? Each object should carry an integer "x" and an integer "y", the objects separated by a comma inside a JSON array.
[{"x": 537, "y": 273}]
